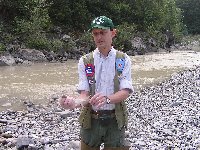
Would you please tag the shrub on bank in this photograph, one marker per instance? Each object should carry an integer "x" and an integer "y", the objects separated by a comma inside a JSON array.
[
  {"x": 2, "y": 47},
  {"x": 125, "y": 33}
]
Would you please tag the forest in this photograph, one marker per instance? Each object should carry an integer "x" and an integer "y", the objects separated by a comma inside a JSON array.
[{"x": 47, "y": 24}]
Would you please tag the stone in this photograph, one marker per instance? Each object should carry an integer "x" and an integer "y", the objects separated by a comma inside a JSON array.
[
  {"x": 74, "y": 145},
  {"x": 7, "y": 135},
  {"x": 23, "y": 142},
  {"x": 7, "y": 60},
  {"x": 153, "y": 122}
]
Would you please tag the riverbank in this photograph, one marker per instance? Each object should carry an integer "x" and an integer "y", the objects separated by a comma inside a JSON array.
[{"x": 163, "y": 116}]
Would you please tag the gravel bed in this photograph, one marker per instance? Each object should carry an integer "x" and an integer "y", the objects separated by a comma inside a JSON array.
[{"x": 163, "y": 116}]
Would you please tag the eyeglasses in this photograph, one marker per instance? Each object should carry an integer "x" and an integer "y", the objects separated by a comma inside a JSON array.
[{"x": 102, "y": 33}]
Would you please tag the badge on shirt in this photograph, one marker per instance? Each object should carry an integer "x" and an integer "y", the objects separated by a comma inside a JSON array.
[
  {"x": 89, "y": 69},
  {"x": 120, "y": 63}
]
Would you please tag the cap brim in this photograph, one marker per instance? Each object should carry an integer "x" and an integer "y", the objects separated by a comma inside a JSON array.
[{"x": 98, "y": 27}]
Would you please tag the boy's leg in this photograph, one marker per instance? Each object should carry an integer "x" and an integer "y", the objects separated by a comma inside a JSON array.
[
  {"x": 93, "y": 136},
  {"x": 114, "y": 136}
]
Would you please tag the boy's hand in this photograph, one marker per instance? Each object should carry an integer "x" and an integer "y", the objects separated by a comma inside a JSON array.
[{"x": 98, "y": 100}]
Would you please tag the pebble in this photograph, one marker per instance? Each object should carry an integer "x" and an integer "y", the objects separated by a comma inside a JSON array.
[
  {"x": 162, "y": 116},
  {"x": 172, "y": 111}
]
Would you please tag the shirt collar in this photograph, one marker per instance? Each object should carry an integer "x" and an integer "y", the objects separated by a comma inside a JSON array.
[{"x": 112, "y": 52}]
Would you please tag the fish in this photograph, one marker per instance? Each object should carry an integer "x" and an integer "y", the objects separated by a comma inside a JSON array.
[{"x": 80, "y": 101}]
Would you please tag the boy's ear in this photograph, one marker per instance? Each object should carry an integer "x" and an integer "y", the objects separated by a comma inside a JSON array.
[{"x": 114, "y": 32}]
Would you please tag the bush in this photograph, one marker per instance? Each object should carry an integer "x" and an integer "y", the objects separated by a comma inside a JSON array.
[
  {"x": 7, "y": 38},
  {"x": 2, "y": 47},
  {"x": 86, "y": 41},
  {"x": 39, "y": 42},
  {"x": 125, "y": 32},
  {"x": 56, "y": 45}
]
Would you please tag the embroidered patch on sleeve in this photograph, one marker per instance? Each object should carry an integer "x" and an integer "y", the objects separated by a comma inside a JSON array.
[
  {"x": 120, "y": 63},
  {"x": 89, "y": 69}
]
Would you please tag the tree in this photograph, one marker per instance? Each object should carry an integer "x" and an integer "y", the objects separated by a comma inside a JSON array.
[
  {"x": 191, "y": 12},
  {"x": 73, "y": 15}
]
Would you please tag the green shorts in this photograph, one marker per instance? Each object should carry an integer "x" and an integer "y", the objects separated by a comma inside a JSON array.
[{"x": 99, "y": 133}]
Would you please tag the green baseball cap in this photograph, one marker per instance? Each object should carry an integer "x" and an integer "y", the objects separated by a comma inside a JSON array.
[{"x": 102, "y": 22}]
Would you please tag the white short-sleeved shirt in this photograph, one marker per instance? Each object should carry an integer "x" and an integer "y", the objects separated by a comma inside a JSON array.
[{"x": 104, "y": 75}]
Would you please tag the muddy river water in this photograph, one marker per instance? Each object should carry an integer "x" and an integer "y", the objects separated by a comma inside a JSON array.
[{"x": 42, "y": 81}]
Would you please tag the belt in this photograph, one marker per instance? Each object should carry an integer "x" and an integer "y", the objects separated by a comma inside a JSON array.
[{"x": 100, "y": 114}]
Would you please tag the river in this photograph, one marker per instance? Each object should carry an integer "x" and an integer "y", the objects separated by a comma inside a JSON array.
[{"x": 42, "y": 81}]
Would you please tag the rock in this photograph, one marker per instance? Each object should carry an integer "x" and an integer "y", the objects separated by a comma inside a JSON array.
[
  {"x": 66, "y": 37},
  {"x": 163, "y": 116},
  {"x": 27, "y": 63},
  {"x": 45, "y": 140},
  {"x": 74, "y": 145},
  {"x": 54, "y": 97},
  {"x": 6, "y": 135},
  {"x": 7, "y": 60},
  {"x": 137, "y": 42},
  {"x": 32, "y": 55},
  {"x": 47, "y": 147},
  {"x": 3, "y": 121},
  {"x": 167, "y": 113},
  {"x": 32, "y": 147},
  {"x": 130, "y": 53},
  {"x": 3, "y": 140},
  {"x": 65, "y": 114},
  {"x": 18, "y": 60},
  {"x": 167, "y": 132},
  {"x": 24, "y": 142},
  {"x": 6, "y": 105},
  {"x": 175, "y": 104}
]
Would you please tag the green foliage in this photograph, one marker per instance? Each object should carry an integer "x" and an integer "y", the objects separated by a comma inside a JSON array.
[
  {"x": 7, "y": 37},
  {"x": 9, "y": 9},
  {"x": 1, "y": 27},
  {"x": 31, "y": 20},
  {"x": 86, "y": 41},
  {"x": 191, "y": 12},
  {"x": 156, "y": 16},
  {"x": 38, "y": 21},
  {"x": 73, "y": 15},
  {"x": 2, "y": 47},
  {"x": 56, "y": 45},
  {"x": 125, "y": 33},
  {"x": 121, "y": 11},
  {"x": 173, "y": 20},
  {"x": 39, "y": 42},
  {"x": 69, "y": 45},
  {"x": 32, "y": 30}
]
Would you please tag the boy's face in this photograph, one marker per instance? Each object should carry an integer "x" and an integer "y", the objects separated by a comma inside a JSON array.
[{"x": 103, "y": 38}]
